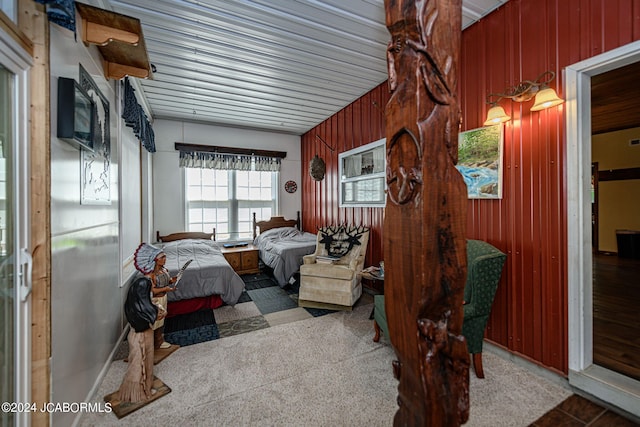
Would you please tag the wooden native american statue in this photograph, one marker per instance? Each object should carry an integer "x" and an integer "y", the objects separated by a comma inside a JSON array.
[{"x": 425, "y": 216}]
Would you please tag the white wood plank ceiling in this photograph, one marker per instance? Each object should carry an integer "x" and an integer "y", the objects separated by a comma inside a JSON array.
[{"x": 275, "y": 65}]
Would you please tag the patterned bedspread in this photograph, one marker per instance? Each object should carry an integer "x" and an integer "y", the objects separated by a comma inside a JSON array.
[
  {"x": 282, "y": 249},
  {"x": 208, "y": 274}
]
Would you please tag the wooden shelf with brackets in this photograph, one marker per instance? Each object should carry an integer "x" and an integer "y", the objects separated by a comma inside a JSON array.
[{"x": 119, "y": 39}]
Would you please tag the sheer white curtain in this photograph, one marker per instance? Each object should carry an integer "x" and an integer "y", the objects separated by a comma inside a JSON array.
[
  {"x": 353, "y": 165},
  {"x": 378, "y": 159}
]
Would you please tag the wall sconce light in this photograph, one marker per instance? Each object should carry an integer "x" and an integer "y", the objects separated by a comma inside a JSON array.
[{"x": 545, "y": 97}]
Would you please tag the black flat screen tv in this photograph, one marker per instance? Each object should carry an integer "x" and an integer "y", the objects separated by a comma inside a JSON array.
[{"x": 76, "y": 114}]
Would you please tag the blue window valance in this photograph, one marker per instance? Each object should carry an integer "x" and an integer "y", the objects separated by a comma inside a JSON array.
[
  {"x": 61, "y": 12},
  {"x": 134, "y": 117}
]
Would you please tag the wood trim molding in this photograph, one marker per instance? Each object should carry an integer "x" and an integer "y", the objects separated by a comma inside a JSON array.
[
  {"x": 619, "y": 174},
  {"x": 33, "y": 23},
  {"x": 101, "y": 35},
  {"x": 183, "y": 146},
  {"x": 594, "y": 208},
  {"x": 119, "y": 39},
  {"x": 113, "y": 70},
  {"x": 8, "y": 26},
  {"x": 185, "y": 235}
]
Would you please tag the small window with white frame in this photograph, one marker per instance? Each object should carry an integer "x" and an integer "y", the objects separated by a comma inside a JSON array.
[{"x": 362, "y": 175}]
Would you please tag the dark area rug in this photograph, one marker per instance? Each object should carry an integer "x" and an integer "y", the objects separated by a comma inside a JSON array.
[
  {"x": 189, "y": 321},
  {"x": 242, "y": 326},
  {"x": 258, "y": 281},
  {"x": 260, "y": 289},
  {"x": 191, "y": 328},
  {"x": 272, "y": 299}
]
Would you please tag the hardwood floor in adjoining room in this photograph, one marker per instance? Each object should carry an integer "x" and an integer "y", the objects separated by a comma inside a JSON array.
[{"x": 616, "y": 319}]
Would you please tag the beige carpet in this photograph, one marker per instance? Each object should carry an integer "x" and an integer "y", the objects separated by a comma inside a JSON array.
[{"x": 323, "y": 371}]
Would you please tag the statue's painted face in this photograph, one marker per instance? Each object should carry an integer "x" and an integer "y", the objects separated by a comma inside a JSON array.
[{"x": 161, "y": 259}]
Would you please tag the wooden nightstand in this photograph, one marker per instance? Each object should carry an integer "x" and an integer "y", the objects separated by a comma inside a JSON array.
[{"x": 243, "y": 259}]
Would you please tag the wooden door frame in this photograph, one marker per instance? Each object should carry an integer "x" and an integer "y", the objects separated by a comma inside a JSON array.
[
  {"x": 34, "y": 26},
  {"x": 594, "y": 208}
]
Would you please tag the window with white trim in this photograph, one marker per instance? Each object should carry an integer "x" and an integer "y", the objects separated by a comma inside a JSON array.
[
  {"x": 362, "y": 176},
  {"x": 226, "y": 199}
]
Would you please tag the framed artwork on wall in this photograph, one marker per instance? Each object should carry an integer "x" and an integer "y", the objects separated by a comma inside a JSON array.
[
  {"x": 95, "y": 175},
  {"x": 480, "y": 161}
]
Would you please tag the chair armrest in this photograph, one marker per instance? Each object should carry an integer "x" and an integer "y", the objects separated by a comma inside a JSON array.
[
  {"x": 483, "y": 275},
  {"x": 309, "y": 259},
  {"x": 470, "y": 311}
]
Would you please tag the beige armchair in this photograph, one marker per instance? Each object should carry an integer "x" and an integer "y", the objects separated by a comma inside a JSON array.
[{"x": 330, "y": 277}]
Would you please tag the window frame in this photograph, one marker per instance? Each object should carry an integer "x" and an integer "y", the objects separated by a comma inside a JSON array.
[
  {"x": 233, "y": 204},
  {"x": 362, "y": 177}
]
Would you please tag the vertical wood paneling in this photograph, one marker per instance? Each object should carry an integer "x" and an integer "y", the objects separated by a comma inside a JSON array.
[
  {"x": 611, "y": 18},
  {"x": 357, "y": 124},
  {"x": 531, "y": 36},
  {"x": 516, "y": 42}
]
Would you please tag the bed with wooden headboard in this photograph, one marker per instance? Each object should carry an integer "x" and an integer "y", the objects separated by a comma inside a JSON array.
[
  {"x": 282, "y": 245},
  {"x": 274, "y": 222},
  {"x": 209, "y": 280}
]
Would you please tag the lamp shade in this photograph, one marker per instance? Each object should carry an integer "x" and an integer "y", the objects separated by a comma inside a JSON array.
[
  {"x": 546, "y": 98},
  {"x": 495, "y": 115}
]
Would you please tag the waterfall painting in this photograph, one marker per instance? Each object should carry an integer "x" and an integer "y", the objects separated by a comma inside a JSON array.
[{"x": 480, "y": 161}]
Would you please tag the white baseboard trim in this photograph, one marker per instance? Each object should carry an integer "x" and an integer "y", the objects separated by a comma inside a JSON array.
[
  {"x": 103, "y": 373},
  {"x": 528, "y": 365}
]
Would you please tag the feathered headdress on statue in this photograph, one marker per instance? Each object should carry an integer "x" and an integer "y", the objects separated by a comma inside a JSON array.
[{"x": 145, "y": 257}]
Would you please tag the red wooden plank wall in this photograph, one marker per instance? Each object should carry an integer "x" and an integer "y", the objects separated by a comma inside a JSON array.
[
  {"x": 518, "y": 41},
  {"x": 358, "y": 124}
]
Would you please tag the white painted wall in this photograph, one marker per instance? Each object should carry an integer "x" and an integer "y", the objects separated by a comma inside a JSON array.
[
  {"x": 168, "y": 178},
  {"x": 131, "y": 193},
  {"x": 86, "y": 296}
]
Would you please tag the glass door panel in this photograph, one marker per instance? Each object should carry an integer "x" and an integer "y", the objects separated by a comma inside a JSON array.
[
  {"x": 8, "y": 285},
  {"x": 15, "y": 259}
]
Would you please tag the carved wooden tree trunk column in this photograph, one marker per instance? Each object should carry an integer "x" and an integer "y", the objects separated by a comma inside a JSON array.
[{"x": 425, "y": 216}]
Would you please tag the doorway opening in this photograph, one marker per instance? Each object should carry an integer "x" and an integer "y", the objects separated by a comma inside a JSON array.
[
  {"x": 585, "y": 365},
  {"x": 615, "y": 201}
]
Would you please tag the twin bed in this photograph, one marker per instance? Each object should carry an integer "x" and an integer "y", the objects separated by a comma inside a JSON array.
[
  {"x": 209, "y": 281},
  {"x": 282, "y": 246}
]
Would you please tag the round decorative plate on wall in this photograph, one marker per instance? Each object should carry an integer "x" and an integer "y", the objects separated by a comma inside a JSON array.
[{"x": 290, "y": 186}]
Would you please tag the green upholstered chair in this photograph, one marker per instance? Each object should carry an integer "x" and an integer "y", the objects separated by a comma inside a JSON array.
[
  {"x": 484, "y": 268},
  {"x": 379, "y": 318}
]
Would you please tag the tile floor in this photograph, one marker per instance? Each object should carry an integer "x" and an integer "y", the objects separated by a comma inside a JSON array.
[
  {"x": 265, "y": 304},
  {"x": 578, "y": 411}
]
